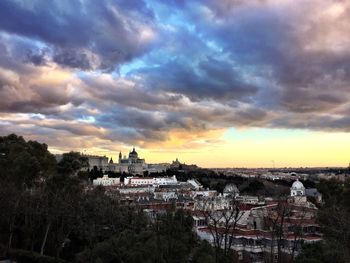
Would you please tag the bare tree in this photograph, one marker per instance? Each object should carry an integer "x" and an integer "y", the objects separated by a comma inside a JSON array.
[
  {"x": 222, "y": 222},
  {"x": 282, "y": 221}
]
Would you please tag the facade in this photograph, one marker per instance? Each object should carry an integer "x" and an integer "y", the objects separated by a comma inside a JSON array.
[
  {"x": 138, "y": 181},
  {"x": 157, "y": 181},
  {"x": 134, "y": 165},
  {"x": 106, "y": 181},
  {"x": 101, "y": 162}
]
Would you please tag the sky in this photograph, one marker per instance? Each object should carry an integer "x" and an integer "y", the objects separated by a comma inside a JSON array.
[{"x": 219, "y": 83}]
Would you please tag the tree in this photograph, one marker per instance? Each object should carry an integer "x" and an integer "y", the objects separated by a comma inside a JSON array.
[
  {"x": 24, "y": 166},
  {"x": 24, "y": 163},
  {"x": 222, "y": 223},
  {"x": 71, "y": 163},
  {"x": 320, "y": 252},
  {"x": 334, "y": 215}
]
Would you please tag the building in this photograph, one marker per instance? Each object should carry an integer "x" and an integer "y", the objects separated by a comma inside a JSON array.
[
  {"x": 106, "y": 181},
  {"x": 175, "y": 164},
  {"x": 138, "y": 181},
  {"x": 313, "y": 193},
  {"x": 271, "y": 233},
  {"x": 195, "y": 184},
  {"x": 100, "y": 162},
  {"x": 155, "y": 181},
  {"x": 134, "y": 165},
  {"x": 297, "y": 189},
  {"x": 231, "y": 190}
]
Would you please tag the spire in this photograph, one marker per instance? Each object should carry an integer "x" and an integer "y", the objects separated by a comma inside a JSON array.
[{"x": 120, "y": 157}]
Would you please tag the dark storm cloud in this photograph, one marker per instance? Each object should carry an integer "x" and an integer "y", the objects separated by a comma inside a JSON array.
[
  {"x": 275, "y": 46},
  {"x": 311, "y": 122},
  {"x": 112, "y": 30},
  {"x": 37, "y": 59},
  {"x": 210, "y": 79},
  {"x": 128, "y": 93},
  {"x": 72, "y": 58}
]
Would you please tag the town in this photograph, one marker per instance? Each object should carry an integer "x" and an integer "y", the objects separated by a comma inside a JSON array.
[
  {"x": 258, "y": 228},
  {"x": 76, "y": 207}
]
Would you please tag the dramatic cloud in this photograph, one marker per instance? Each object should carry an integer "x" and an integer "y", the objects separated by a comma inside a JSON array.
[
  {"x": 83, "y": 34},
  {"x": 172, "y": 73}
]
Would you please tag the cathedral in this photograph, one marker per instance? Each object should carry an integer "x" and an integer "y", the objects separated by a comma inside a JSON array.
[
  {"x": 132, "y": 164},
  {"x": 133, "y": 158}
]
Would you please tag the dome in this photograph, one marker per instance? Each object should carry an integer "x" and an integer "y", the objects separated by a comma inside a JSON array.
[
  {"x": 298, "y": 185},
  {"x": 133, "y": 154},
  {"x": 230, "y": 188},
  {"x": 133, "y": 151}
]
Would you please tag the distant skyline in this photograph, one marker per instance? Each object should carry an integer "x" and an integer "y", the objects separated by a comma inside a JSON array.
[{"x": 227, "y": 83}]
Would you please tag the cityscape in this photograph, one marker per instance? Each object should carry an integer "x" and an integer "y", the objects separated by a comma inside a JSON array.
[
  {"x": 198, "y": 131},
  {"x": 227, "y": 214}
]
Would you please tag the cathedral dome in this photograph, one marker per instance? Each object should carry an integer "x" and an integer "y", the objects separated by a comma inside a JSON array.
[
  {"x": 297, "y": 189},
  {"x": 133, "y": 151},
  {"x": 133, "y": 154},
  {"x": 298, "y": 185}
]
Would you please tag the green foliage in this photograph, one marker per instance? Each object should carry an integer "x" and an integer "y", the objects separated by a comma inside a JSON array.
[
  {"x": 320, "y": 252},
  {"x": 23, "y": 163},
  {"x": 71, "y": 163},
  {"x": 331, "y": 190},
  {"x": 334, "y": 219},
  {"x": 95, "y": 173},
  {"x": 169, "y": 238},
  {"x": 203, "y": 253},
  {"x": 253, "y": 187}
]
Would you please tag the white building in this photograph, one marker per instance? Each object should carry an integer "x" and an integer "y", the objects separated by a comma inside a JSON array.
[
  {"x": 106, "y": 181},
  {"x": 138, "y": 181},
  {"x": 156, "y": 181},
  {"x": 298, "y": 194},
  {"x": 195, "y": 184},
  {"x": 165, "y": 180},
  {"x": 297, "y": 189}
]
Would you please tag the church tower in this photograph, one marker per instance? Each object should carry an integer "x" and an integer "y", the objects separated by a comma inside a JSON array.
[{"x": 120, "y": 157}]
